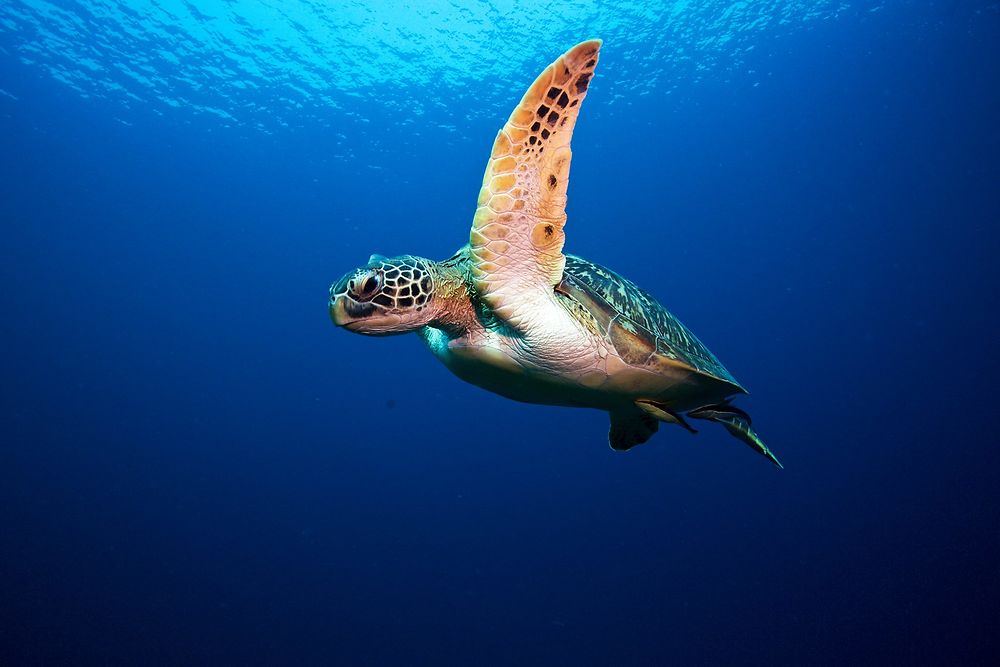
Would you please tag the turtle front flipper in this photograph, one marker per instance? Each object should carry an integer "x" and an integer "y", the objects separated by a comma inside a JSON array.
[
  {"x": 737, "y": 423},
  {"x": 517, "y": 233}
]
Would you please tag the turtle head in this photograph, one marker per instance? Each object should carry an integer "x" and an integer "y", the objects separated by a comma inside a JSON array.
[{"x": 386, "y": 296}]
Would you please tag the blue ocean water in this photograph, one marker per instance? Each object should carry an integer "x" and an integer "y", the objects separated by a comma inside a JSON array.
[{"x": 198, "y": 468}]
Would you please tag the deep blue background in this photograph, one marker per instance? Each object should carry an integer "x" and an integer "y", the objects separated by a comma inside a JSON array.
[{"x": 198, "y": 468}]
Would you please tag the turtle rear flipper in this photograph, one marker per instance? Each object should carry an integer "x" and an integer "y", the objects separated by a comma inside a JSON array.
[
  {"x": 630, "y": 427},
  {"x": 663, "y": 413},
  {"x": 737, "y": 423}
]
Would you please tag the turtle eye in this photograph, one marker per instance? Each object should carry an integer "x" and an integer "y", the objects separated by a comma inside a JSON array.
[{"x": 368, "y": 286}]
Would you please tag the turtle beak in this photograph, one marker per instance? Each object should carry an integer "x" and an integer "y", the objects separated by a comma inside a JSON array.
[
  {"x": 338, "y": 313},
  {"x": 345, "y": 311},
  {"x": 338, "y": 302}
]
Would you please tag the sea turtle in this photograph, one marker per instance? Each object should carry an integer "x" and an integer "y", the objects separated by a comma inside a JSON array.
[{"x": 510, "y": 312}]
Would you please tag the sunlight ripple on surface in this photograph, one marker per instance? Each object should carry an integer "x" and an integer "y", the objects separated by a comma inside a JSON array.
[{"x": 296, "y": 62}]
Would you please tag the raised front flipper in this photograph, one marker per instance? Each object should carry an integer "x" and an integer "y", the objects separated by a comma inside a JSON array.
[
  {"x": 737, "y": 423},
  {"x": 517, "y": 233}
]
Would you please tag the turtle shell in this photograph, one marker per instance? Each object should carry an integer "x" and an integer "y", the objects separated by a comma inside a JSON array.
[{"x": 642, "y": 331}]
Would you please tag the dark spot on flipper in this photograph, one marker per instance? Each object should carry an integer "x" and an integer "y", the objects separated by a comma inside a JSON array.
[
  {"x": 535, "y": 126},
  {"x": 553, "y": 92},
  {"x": 583, "y": 81},
  {"x": 542, "y": 110},
  {"x": 553, "y": 117},
  {"x": 563, "y": 101},
  {"x": 591, "y": 63},
  {"x": 552, "y": 183},
  {"x": 532, "y": 140},
  {"x": 574, "y": 103},
  {"x": 545, "y": 133},
  {"x": 549, "y": 231}
]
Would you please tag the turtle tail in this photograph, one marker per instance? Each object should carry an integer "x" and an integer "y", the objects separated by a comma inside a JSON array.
[{"x": 737, "y": 423}]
